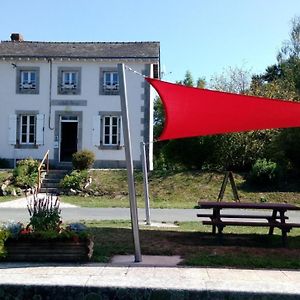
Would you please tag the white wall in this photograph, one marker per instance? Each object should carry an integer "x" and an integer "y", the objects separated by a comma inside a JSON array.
[{"x": 90, "y": 73}]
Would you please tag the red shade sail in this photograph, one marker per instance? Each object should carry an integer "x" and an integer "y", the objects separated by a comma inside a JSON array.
[{"x": 198, "y": 112}]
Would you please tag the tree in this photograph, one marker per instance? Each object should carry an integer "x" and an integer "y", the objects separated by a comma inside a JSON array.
[
  {"x": 190, "y": 152},
  {"x": 234, "y": 80},
  {"x": 291, "y": 47},
  {"x": 282, "y": 80}
]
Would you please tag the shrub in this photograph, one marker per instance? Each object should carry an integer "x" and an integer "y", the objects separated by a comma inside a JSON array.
[
  {"x": 83, "y": 160},
  {"x": 75, "y": 180},
  {"x": 13, "y": 228},
  {"x": 26, "y": 172},
  {"x": 44, "y": 214},
  {"x": 264, "y": 172},
  {"x": 77, "y": 227}
]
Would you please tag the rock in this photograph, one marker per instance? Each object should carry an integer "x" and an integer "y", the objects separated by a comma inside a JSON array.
[{"x": 72, "y": 192}]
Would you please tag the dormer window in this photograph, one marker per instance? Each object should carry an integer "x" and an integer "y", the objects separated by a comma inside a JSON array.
[
  {"x": 27, "y": 80},
  {"x": 69, "y": 81}
]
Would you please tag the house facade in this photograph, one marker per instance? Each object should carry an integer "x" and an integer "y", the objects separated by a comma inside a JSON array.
[{"x": 64, "y": 97}]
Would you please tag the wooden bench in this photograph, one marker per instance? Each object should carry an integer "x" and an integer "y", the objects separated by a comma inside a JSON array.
[
  {"x": 277, "y": 218},
  {"x": 246, "y": 216}
]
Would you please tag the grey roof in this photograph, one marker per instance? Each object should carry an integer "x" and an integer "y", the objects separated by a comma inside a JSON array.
[{"x": 99, "y": 50}]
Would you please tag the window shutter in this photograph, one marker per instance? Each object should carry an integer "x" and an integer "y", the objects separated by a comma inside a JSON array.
[
  {"x": 12, "y": 129},
  {"x": 96, "y": 131},
  {"x": 40, "y": 129},
  {"x": 121, "y": 133}
]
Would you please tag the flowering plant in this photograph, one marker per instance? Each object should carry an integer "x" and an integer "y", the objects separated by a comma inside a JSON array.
[{"x": 45, "y": 222}]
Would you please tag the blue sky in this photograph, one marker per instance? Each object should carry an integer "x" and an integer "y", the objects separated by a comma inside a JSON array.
[{"x": 203, "y": 36}]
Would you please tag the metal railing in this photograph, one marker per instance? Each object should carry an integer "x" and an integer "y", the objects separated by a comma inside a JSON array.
[{"x": 41, "y": 168}]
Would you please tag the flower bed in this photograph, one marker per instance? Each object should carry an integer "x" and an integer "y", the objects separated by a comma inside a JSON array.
[
  {"x": 44, "y": 239},
  {"x": 48, "y": 250}
]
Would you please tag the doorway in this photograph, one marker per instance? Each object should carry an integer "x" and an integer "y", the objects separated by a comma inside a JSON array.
[{"x": 68, "y": 139}]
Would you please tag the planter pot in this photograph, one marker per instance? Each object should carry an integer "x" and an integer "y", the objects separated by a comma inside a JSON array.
[{"x": 54, "y": 250}]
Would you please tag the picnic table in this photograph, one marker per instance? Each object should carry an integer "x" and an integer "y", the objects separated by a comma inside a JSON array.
[{"x": 272, "y": 215}]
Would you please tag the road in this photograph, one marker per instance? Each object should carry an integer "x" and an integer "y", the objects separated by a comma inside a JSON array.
[{"x": 83, "y": 213}]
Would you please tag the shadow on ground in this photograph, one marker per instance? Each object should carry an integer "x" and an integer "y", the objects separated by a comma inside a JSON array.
[{"x": 202, "y": 248}]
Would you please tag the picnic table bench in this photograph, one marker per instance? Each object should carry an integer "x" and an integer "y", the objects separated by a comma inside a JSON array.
[{"x": 270, "y": 215}]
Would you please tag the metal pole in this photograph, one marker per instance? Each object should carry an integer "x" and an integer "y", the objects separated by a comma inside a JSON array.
[
  {"x": 146, "y": 186},
  {"x": 129, "y": 163}
]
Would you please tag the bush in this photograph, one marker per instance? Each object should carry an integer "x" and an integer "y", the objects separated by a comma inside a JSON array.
[
  {"x": 26, "y": 173},
  {"x": 44, "y": 214},
  {"x": 264, "y": 172},
  {"x": 83, "y": 160},
  {"x": 13, "y": 228},
  {"x": 75, "y": 180}
]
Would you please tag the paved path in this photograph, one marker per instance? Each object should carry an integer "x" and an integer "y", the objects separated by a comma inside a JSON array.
[{"x": 179, "y": 282}]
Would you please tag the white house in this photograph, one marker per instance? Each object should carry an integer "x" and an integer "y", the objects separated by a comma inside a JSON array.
[{"x": 64, "y": 96}]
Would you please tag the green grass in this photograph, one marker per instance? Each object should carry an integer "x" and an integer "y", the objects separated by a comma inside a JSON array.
[
  {"x": 174, "y": 190},
  {"x": 239, "y": 247}
]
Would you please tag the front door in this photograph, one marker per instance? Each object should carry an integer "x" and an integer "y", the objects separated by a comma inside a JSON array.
[{"x": 68, "y": 140}]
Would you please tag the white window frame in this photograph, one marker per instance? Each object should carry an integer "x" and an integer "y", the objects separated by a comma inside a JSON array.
[
  {"x": 110, "y": 134},
  {"x": 30, "y": 82},
  {"x": 67, "y": 80},
  {"x": 27, "y": 132},
  {"x": 111, "y": 84}
]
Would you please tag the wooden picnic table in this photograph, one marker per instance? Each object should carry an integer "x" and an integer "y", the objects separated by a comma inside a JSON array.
[{"x": 270, "y": 215}]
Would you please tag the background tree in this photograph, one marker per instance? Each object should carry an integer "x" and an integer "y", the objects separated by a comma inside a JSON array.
[
  {"x": 233, "y": 80},
  {"x": 240, "y": 151}
]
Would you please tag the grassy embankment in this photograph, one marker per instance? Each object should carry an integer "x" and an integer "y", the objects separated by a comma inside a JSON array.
[{"x": 177, "y": 190}]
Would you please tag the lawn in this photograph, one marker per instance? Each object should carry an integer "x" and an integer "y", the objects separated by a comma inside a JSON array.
[
  {"x": 176, "y": 190},
  {"x": 239, "y": 247}
]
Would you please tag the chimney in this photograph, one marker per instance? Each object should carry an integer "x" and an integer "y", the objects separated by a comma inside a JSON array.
[{"x": 16, "y": 37}]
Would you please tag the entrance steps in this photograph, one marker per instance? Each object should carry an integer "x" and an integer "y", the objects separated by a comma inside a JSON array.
[{"x": 51, "y": 181}]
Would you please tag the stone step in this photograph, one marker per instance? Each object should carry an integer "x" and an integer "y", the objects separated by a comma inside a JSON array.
[
  {"x": 64, "y": 166},
  {"x": 51, "y": 181},
  {"x": 48, "y": 190},
  {"x": 56, "y": 174},
  {"x": 47, "y": 184}
]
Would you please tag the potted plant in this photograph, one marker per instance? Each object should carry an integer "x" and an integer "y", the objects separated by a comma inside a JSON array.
[{"x": 45, "y": 238}]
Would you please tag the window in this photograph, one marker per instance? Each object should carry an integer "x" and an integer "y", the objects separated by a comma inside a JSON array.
[
  {"x": 107, "y": 131},
  {"x": 155, "y": 71},
  {"x": 27, "y": 80},
  {"x": 69, "y": 81},
  {"x": 109, "y": 81},
  {"x": 27, "y": 129},
  {"x": 111, "y": 130}
]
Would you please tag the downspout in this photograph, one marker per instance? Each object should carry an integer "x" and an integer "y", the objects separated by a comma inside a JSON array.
[{"x": 50, "y": 94}]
